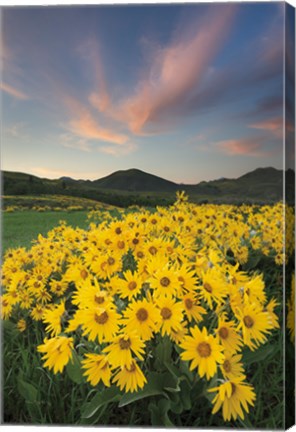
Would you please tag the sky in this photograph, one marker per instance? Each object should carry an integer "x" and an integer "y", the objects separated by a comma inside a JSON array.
[{"x": 188, "y": 92}]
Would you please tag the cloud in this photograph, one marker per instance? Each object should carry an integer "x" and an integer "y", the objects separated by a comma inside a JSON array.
[
  {"x": 243, "y": 146},
  {"x": 274, "y": 125},
  {"x": 84, "y": 124},
  {"x": 118, "y": 150},
  {"x": 175, "y": 71},
  {"x": 12, "y": 91},
  {"x": 16, "y": 130},
  {"x": 54, "y": 173},
  {"x": 69, "y": 141},
  {"x": 90, "y": 52}
]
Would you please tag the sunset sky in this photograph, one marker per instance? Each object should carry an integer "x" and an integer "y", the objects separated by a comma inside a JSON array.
[{"x": 186, "y": 92}]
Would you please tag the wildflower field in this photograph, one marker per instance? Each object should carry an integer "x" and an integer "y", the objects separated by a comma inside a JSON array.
[{"x": 165, "y": 317}]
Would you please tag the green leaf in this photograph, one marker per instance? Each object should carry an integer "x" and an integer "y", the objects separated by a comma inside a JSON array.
[
  {"x": 184, "y": 368},
  {"x": 111, "y": 394},
  {"x": 159, "y": 413},
  {"x": 252, "y": 263},
  {"x": 163, "y": 351},
  {"x": 185, "y": 395},
  {"x": 258, "y": 355},
  {"x": 153, "y": 387},
  {"x": 27, "y": 390},
  {"x": 73, "y": 369}
]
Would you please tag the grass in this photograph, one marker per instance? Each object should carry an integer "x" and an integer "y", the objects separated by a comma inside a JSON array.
[{"x": 20, "y": 228}]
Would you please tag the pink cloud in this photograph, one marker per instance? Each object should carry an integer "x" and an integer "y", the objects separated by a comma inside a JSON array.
[
  {"x": 90, "y": 52},
  {"x": 12, "y": 91},
  {"x": 84, "y": 124},
  {"x": 175, "y": 71},
  {"x": 243, "y": 146},
  {"x": 274, "y": 125}
]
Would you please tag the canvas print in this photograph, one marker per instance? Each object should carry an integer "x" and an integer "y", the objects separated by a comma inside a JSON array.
[{"x": 147, "y": 215}]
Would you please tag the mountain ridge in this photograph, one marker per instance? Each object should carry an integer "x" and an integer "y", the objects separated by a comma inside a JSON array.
[{"x": 260, "y": 184}]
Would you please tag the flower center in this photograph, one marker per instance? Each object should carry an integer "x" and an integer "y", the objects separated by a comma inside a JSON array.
[
  {"x": 165, "y": 281},
  {"x": 99, "y": 299},
  {"x": 166, "y": 313},
  {"x": 223, "y": 333},
  {"x": 83, "y": 274},
  {"x": 142, "y": 314},
  {"x": 120, "y": 244},
  {"x": 140, "y": 254},
  {"x": 153, "y": 250},
  {"x": 131, "y": 369},
  {"x": 111, "y": 261},
  {"x": 208, "y": 287},
  {"x": 101, "y": 319},
  {"x": 124, "y": 343},
  {"x": 233, "y": 388},
  {"x": 132, "y": 285},
  {"x": 189, "y": 303},
  {"x": 4, "y": 303},
  {"x": 227, "y": 366},
  {"x": 204, "y": 349},
  {"x": 248, "y": 321},
  {"x": 135, "y": 241},
  {"x": 118, "y": 231},
  {"x": 166, "y": 229}
]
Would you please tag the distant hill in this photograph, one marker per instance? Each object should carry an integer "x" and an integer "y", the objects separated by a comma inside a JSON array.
[
  {"x": 135, "y": 180},
  {"x": 133, "y": 186}
]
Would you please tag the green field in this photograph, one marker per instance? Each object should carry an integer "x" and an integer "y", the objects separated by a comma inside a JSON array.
[{"x": 20, "y": 228}]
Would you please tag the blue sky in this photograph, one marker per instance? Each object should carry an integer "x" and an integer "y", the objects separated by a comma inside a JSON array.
[{"x": 189, "y": 92}]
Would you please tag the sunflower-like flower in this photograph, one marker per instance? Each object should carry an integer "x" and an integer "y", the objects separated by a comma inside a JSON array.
[
  {"x": 227, "y": 335},
  {"x": 57, "y": 352},
  {"x": 52, "y": 317},
  {"x": 96, "y": 369},
  {"x": 120, "y": 351},
  {"x": 203, "y": 350},
  {"x": 143, "y": 316},
  {"x": 255, "y": 324},
  {"x": 130, "y": 378},
  {"x": 100, "y": 323},
  {"x": 232, "y": 366},
  {"x": 232, "y": 396},
  {"x": 171, "y": 315},
  {"x": 192, "y": 308},
  {"x": 131, "y": 285}
]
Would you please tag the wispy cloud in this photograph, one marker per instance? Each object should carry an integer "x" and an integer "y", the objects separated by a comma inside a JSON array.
[
  {"x": 175, "y": 71},
  {"x": 84, "y": 124},
  {"x": 16, "y": 130},
  {"x": 99, "y": 96},
  {"x": 69, "y": 141},
  {"x": 12, "y": 91},
  {"x": 244, "y": 146},
  {"x": 118, "y": 150},
  {"x": 53, "y": 173},
  {"x": 273, "y": 125}
]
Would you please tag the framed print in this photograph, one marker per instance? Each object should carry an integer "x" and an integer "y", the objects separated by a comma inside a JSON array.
[{"x": 148, "y": 215}]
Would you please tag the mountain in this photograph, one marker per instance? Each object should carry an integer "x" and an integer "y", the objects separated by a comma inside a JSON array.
[
  {"x": 133, "y": 186},
  {"x": 134, "y": 180}
]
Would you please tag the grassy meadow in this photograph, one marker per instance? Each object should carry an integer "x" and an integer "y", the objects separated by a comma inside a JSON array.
[{"x": 212, "y": 259}]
